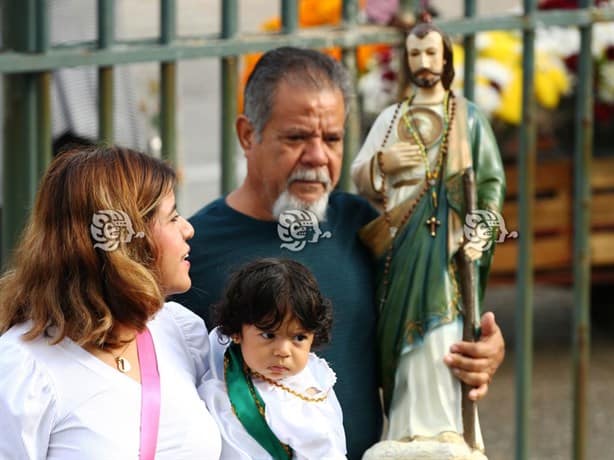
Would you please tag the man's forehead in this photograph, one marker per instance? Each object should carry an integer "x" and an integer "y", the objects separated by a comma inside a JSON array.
[
  {"x": 325, "y": 102},
  {"x": 433, "y": 38}
]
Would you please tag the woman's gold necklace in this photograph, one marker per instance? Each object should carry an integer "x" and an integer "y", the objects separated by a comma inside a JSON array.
[
  {"x": 121, "y": 362},
  {"x": 287, "y": 389}
]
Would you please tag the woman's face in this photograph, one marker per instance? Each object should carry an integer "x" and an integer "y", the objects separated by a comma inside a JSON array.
[{"x": 170, "y": 232}]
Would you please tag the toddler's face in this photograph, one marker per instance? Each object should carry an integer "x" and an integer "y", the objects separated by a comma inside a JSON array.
[{"x": 279, "y": 353}]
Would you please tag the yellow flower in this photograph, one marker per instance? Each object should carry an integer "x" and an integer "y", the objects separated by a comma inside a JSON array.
[
  {"x": 511, "y": 99},
  {"x": 551, "y": 80},
  {"x": 502, "y": 46}
]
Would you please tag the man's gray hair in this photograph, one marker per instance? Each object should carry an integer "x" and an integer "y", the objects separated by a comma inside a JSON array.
[{"x": 299, "y": 67}]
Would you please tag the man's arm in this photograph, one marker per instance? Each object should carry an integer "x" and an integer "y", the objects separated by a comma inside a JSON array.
[{"x": 475, "y": 363}]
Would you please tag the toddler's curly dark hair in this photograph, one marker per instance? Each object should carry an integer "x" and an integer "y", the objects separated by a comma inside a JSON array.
[{"x": 263, "y": 292}]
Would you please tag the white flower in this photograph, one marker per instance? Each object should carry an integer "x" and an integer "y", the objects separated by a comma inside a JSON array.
[
  {"x": 487, "y": 98},
  {"x": 603, "y": 36},
  {"x": 494, "y": 71},
  {"x": 377, "y": 93},
  {"x": 561, "y": 41}
]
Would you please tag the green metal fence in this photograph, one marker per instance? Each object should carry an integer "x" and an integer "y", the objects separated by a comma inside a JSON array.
[{"x": 28, "y": 60}]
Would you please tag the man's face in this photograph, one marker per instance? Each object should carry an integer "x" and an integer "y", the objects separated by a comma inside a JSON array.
[
  {"x": 301, "y": 146},
  {"x": 425, "y": 56}
]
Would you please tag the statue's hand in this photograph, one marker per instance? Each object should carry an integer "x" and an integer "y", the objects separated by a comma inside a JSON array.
[{"x": 400, "y": 156}]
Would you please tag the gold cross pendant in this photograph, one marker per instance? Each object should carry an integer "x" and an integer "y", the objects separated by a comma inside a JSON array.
[{"x": 433, "y": 223}]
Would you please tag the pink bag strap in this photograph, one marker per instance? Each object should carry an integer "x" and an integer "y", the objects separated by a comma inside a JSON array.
[{"x": 150, "y": 395}]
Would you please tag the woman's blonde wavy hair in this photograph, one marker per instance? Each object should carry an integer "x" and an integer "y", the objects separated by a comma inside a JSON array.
[{"x": 57, "y": 279}]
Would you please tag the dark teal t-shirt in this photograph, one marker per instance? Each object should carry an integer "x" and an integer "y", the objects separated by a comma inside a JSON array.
[{"x": 225, "y": 239}]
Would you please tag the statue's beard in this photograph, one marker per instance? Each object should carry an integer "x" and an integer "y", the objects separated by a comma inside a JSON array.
[
  {"x": 286, "y": 201},
  {"x": 428, "y": 81}
]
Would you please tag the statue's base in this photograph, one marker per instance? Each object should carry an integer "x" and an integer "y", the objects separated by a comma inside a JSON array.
[{"x": 446, "y": 446}]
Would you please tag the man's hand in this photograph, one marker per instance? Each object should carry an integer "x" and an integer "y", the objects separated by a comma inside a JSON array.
[
  {"x": 399, "y": 156},
  {"x": 475, "y": 363}
]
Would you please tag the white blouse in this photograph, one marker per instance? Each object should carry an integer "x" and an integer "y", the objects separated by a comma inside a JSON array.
[
  {"x": 314, "y": 430},
  {"x": 61, "y": 402}
]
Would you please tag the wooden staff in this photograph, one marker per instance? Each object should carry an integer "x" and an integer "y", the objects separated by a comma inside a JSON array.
[{"x": 469, "y": 295}]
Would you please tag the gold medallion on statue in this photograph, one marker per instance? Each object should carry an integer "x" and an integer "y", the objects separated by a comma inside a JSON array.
[{"x": 425, "y": 121}]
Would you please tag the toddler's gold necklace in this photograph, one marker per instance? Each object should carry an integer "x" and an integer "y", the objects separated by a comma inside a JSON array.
[{"x": 287, "y": 389}]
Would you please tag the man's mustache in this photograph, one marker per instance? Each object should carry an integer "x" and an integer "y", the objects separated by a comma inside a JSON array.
[{"x": 310, "y": 174}]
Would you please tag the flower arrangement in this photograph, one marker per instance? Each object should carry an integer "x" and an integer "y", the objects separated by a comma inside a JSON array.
[
  {"x": 498, "y": 80},
  {"x": 313, "y": 13},
  {"x": 498, "y": 72}
]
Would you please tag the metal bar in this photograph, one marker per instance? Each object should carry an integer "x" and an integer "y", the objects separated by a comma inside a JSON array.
[
  {"x": 407, "y": 7},
  {"x": 168, "y": 21},
  {"x": 106, "y": 26},
  {"x": 289, "y": 16},
  {"x": 230, "y": 18},
  {"x": 407, "y": 14},
  {"x": 105, "y": 104},
  {"x": 20, "y": 157},
  {"x": 186, "y": 48},
  {"x": 470, "y": 55},
  {"x": 44, "y": 90},
  {"x": 168, "y": 84},
  {"x": 581, "y": 252},
  {"x": 45, "y": 136},
  {"x": 42, "y": 26},
  {"x": 168, "y": 109},
  {"x": 106, "y": 37},
  {"x": 350, "y": 12},
  {"x": 351, "y": 140},
  {"x": 524, "y": 286},
  {"x": 230, "y": 80}
]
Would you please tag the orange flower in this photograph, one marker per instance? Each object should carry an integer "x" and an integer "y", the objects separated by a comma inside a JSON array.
[{"x": 312, "y": 13}]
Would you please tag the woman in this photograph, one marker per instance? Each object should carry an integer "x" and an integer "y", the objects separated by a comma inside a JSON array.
[{"x": 93, "y": 363}]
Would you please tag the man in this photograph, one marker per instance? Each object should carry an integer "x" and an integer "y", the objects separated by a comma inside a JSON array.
[
  {"x": 412, "y": 166},
  {"x": 292, "y": 135}
]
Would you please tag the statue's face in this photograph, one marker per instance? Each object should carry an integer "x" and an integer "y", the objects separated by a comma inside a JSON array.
[{"x": 425, "y": 59}]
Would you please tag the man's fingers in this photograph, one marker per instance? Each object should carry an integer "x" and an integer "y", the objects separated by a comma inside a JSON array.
[
  {"x": 478, "y": 393},
  {"x": 466, "y": 363},
  {"x": 473, "y": 350},
  {"x": 488, "y": 324},
  {"x": 473, "y": 379}
]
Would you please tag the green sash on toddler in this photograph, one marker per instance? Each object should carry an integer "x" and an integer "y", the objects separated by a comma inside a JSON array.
[{"x": 248, "y": 405}]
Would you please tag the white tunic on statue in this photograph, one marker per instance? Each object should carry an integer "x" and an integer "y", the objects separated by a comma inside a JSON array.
[
  {"x": 61, "y": 402},
  {"x": 418, "y": 409},
  {"x": 314, "y": 430}
]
